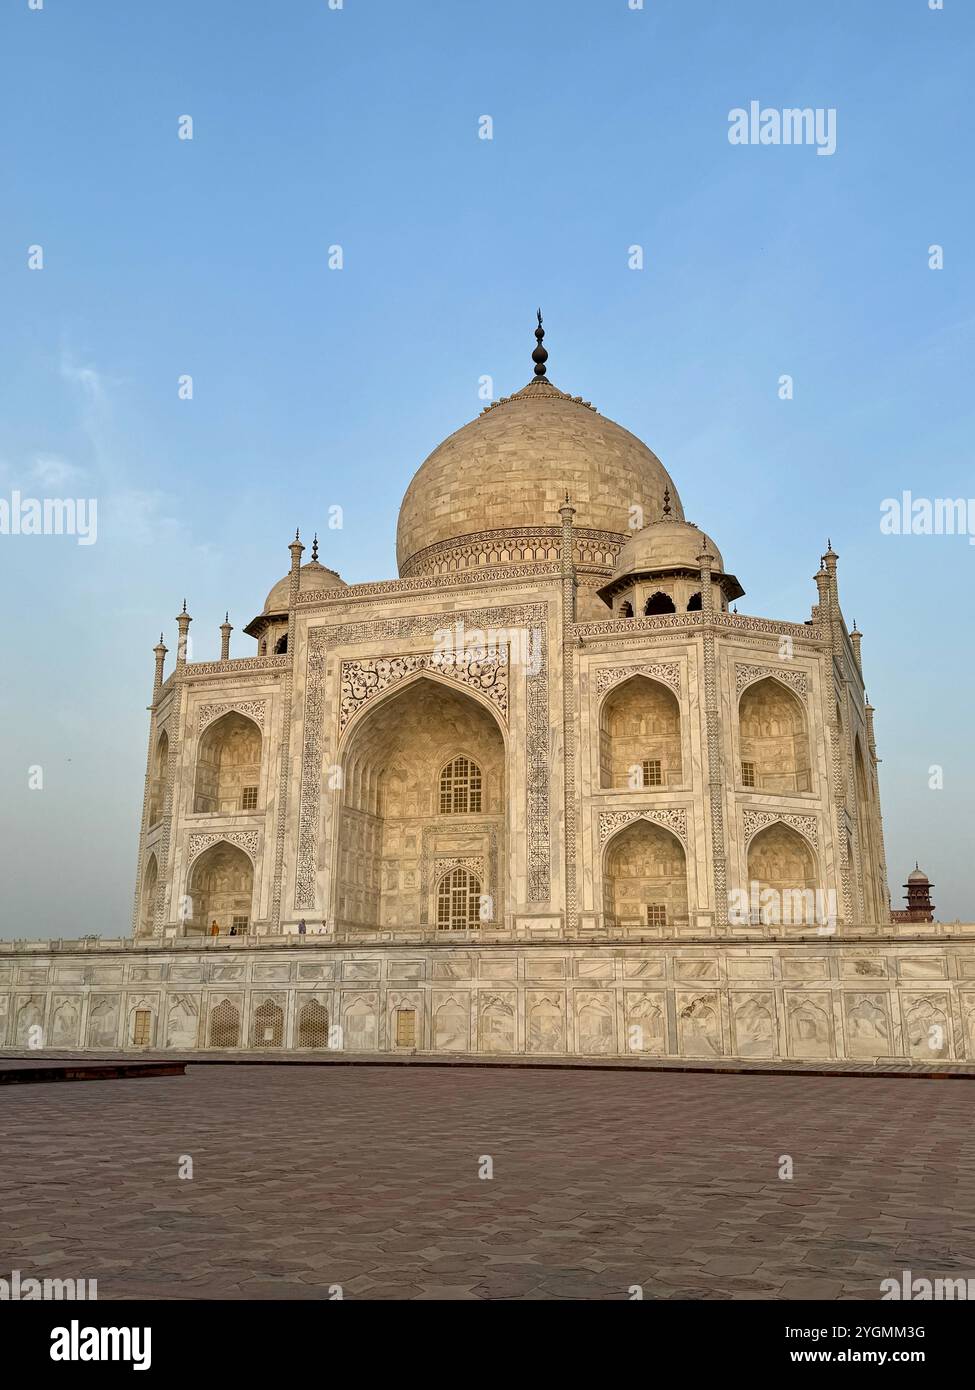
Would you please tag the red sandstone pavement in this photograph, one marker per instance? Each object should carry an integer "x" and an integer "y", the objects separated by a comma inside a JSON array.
[{"x": 367, "y": 1178}]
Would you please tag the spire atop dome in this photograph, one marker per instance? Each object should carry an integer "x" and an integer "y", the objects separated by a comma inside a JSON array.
[
  {"x": 314, "y": 547},
  {"x": 540, "y": 355}
]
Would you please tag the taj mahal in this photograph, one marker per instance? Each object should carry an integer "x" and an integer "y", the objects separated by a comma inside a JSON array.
[{"x": 548, "y": 792}]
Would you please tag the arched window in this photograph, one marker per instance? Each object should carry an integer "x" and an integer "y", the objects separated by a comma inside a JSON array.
[
  {"x": 460, "y": 788},
  {"x": 458, "y": 901},
  {"x": 658, "y": 603},
  {"x": 281, "y": 645},
  {"x": 694, "y": 603},
  {"x": 313, "y": 1025},
  {"x": 626, "y": 609}
]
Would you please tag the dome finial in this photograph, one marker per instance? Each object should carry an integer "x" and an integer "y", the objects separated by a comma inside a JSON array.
[
  {"x": 314, "y": 547},
  {"x": 666, "y": 501},
  {"x": 539, "y": 356}
]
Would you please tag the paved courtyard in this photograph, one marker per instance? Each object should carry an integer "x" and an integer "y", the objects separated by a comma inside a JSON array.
[{"x": 306, "y": 1177}]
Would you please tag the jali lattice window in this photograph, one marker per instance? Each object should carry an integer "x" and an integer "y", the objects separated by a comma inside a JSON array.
[
  {"x": 460, "y": 788},
  {"x": 652, "y": 773},
  {"x": 313, "y": 1025},
  {"x": 239, "y": 925},
  {"x": 656, "y": 915},
  {"x": 458, "y": 901},
  {"x": 142, "y": 1027},
  {"x": 248, "y": 799},
  {"x": 748, "y": 774}
]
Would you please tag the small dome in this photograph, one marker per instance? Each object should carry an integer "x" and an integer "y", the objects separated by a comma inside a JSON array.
[
  {"x": 666, "y": 544},
  {"x": 917, "y": 876},
  {"x": 311, "y": 576}
]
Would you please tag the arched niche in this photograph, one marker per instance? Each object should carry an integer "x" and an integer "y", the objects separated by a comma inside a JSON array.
[
  {"x": 639, "y": 736},
  {"x": 645, "y": 878},
  {"x": 398, "y": 813},
  {"x": 221, "y": 889},
  {"x": 158, "y": 774},
  {"x": 658, "y": 603},
  {"x": 228, "y": 766},
  {"x": 147, "y": 904},
  {"x": 783, "y": 876},
  {"x": 868, "y": 853},
  {"x": 774, "y": 738}
]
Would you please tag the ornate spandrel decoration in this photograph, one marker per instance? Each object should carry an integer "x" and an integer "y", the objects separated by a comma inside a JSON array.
[
  {"x": 530, "y": 616},
  {"x": 666, "y": 671},
  {"x": 253, "y": 709},
  {"x": 474, "y": 864},
  {"x": 247, "y": 840},
  {"x": 754, "y": 821},
  {"x": 747, "y": 675},
  {"x": 367, "y": 677},
  {"x": 673, "y": 820}
]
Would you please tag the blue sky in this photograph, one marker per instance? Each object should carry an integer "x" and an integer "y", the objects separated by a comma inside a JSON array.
[{"x": 315, "y": 387}]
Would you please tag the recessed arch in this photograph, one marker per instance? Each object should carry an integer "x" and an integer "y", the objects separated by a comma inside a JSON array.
[
  {"x": 645, "y": 878},
  {"x": 221, "y": 889},
  {"x": 228, "y": 766},
  {"x": 695, "y": 603},
  {"x": 147, "y": 904},
  {"x": 158, "y": 777},
  {"x": 783, "y": 876},
  {"x": 392, "y": 827},
  {"x": 659, "y": 603},
  {"x": 868, "y": 856},
  {"x": 640, "y": 736},
  {"x": 773, "y": 737}
]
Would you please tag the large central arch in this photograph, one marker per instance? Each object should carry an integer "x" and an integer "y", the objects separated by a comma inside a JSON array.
[{"x": 423, "y": 794}]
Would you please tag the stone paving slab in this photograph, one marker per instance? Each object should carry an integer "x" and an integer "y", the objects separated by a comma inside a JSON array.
[{"x": 306, "y": 1178}]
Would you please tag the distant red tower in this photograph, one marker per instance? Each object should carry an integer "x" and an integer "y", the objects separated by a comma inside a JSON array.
[{"x": 920, "y": 908}]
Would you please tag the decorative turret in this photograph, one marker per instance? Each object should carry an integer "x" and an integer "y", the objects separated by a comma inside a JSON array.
[
  {"x": 919, "y": 908},
  {"x": 183, "y": 621},
  {"x": 160, "y": 650},
  {"x": 225, "y": 630}
]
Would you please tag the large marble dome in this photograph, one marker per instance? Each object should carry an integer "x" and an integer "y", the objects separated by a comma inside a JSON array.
[{"x": 491, "y": 492}]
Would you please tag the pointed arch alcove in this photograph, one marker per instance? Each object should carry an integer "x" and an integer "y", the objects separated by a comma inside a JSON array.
[
  {"x": 869, "y": 867},
  {"x": 645, "y": 878},
  {"x": 783, "y": 876},
  {"x": 221, "y": 890},
  {"x": 423, "y": 793},
  {"x": 157, "y": 783},
  {"x": 640, "y": 736},
  {"x": 228, "y": 766},
  {"x": 147, "y": 904},
  {"x": 774, "y": 738}
]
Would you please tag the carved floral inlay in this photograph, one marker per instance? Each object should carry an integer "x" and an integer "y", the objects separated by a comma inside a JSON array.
[
  {"x": 253, "y": 709},
  {"x": 747, "y": 675},
  {"x": 367, "y": 677},
  {"x": 674, "y": 821},
  {"x": 755, "y": 821},
  {"x": 247, "y": 840},
  {"x": 666, "y": 671}
]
